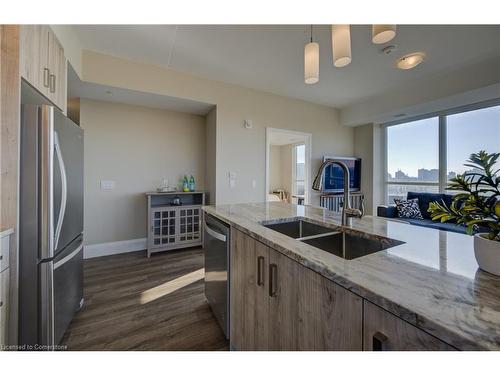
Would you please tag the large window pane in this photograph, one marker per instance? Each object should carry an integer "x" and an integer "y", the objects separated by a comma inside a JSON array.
[
  {"x": 400, "y": 191},
  {"x": 470, "y": 132},
  {"x": 413, "y": 151}
]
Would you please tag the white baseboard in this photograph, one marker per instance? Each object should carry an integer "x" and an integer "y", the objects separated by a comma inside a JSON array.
[{"x": 111, "y": 248}]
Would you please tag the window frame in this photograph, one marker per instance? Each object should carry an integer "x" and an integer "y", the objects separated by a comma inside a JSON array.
[{"x": 442, "y": 144}]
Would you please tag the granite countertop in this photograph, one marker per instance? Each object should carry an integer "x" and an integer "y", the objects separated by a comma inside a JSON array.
[{"x": 432, "y": 280}]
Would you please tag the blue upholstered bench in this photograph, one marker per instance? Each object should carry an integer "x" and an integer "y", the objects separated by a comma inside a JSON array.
[{"x": 423, "y": 202}]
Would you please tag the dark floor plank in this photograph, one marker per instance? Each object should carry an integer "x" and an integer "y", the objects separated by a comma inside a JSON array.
[{"x": 136, "y": 303}]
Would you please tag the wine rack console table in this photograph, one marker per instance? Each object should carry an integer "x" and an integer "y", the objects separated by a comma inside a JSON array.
[{"x": 174, "y": 226}]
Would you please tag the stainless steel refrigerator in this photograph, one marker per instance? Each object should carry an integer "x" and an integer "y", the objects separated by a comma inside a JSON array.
[{"x": 51, "y": 222}]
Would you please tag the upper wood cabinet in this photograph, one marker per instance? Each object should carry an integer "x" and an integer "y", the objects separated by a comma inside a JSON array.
[
  {"x": 278, "y": 304},
  {"x": 384, "y": 331},
  {"x": 43, "y": 64}
]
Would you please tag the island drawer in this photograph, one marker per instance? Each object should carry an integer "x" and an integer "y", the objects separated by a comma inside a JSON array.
[{"x": 383, "y": 331}]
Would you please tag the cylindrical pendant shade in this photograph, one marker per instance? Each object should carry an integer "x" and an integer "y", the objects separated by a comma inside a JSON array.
[
  {"x": 383, "y": 33},
  {"x": 311, "y": 63},
  {"x": 341, "y": 45}
]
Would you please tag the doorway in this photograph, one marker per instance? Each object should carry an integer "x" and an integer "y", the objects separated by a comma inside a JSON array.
[{"x": 288, "y": 162}]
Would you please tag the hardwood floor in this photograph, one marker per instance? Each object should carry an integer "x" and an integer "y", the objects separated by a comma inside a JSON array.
[{"x": 136, "y": 303}]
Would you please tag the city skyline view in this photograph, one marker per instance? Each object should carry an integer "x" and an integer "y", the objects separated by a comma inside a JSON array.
[{"x": 413, "y": 147}]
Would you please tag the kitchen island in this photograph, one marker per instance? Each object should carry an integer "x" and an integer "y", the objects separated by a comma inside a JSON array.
[{"x": 422, "y": 290}]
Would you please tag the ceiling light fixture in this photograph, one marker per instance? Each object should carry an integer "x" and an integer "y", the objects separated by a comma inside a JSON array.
[
  {"x": 383, "y": 33},
  {"x": 311, "y": 62},
  {"x": 410, "y": 61},
  {"x": 341, "y": 45}
]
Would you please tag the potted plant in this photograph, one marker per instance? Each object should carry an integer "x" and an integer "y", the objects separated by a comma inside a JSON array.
[{"x": 476, "y": 205}]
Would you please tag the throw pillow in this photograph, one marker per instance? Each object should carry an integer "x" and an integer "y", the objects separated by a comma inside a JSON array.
[{"x": 408, "y": 208}]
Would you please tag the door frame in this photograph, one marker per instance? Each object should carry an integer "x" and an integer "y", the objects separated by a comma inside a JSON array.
[{"x": 307, "y": 140}]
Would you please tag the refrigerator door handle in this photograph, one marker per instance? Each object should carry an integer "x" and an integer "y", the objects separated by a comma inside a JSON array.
[
  {"x": 67, "y": 258},
  {"x": 64, "y": 190}
]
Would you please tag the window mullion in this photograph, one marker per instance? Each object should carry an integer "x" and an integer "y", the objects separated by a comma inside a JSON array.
[{"x": 443, "y": 165}]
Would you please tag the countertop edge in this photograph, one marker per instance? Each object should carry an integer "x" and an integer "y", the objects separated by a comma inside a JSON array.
[{"x": 426, "y": 324}]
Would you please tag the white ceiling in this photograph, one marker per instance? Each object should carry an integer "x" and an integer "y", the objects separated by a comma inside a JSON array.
[
  {"x": 79, "y": 89},
  {"x": 270, "y": 58}
]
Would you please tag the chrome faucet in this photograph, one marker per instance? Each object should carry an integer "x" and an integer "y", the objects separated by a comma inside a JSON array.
[{"x": 347, "y": 211}]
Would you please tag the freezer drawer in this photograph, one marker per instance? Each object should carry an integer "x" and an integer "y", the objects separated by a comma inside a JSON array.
[{"x": 68, "y": 287}]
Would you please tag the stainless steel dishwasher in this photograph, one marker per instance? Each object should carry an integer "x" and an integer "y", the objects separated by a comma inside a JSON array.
[{"x": 216, "y": 249}]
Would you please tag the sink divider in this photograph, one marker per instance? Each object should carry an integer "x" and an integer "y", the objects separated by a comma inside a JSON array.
[{"x": 318, "y": 235}]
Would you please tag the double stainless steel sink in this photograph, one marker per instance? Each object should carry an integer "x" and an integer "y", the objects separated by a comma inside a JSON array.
[{"x": 338, "y": 241}]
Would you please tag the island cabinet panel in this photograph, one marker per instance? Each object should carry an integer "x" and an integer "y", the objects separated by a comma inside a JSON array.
[
  {"x": 278, "y": 304},
  {"x": 385, "y": 331}
]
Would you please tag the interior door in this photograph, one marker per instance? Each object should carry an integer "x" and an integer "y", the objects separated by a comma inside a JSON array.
[{"x": 68, "y": 181}]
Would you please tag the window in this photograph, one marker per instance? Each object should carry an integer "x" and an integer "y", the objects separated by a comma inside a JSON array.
[
  {"x": 422, "y": 155},
  {"x": 299, "y": 160},
  {"x": 469, "y": 132},
  {"x": 412, "y": 158}
]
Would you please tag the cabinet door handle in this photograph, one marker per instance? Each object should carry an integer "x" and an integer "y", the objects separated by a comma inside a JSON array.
[
  {"x": 260, "y": 270},
  {"x": 46, "y": 77},
  {"x": 273, "y": 279},
  {"x": 52, "y": 83},
  {"x": 379, "y": 342}
]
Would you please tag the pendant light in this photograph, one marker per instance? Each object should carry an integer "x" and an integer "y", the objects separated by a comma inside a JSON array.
[
  {"x": 311, "y": 62},
  {"x": 341, "y": 45},
  {"x": 383, "y": 33}
]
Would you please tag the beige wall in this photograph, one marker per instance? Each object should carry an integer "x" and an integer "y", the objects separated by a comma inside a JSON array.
[
  {"x": 275, "y": 168},
  {"x": 368, "y": 146},
  {"x": 287, "y": 168},
  {"x": 135, "y": 147},
  {"x": 281, "y": 168},
  {"x": 363, "y": 148},
  {"x": 211, "y": 156},
  {"x": 239, "y": 150}
]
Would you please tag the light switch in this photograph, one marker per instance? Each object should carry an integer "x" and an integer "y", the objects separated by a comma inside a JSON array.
[
  {"x": 107, "y": 185},
  {"x": 232, "y": 180},
  {"x": 254, "y": 184}
]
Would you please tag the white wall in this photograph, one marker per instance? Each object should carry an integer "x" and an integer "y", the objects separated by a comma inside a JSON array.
[
  {"x": 239, "y": 150},
  {"x": 135, "y": 147}
]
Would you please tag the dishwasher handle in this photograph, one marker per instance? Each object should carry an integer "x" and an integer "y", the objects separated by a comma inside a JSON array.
[{"x": 214, "y": 234}]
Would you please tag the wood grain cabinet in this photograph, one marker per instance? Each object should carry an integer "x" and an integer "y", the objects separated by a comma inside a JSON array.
[
  {"x": 385, "y": 331},
  {"x": 43, "y": 64},
  {"x": 278, "y": 304}
]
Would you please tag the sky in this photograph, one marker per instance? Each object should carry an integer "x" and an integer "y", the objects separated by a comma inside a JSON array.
[{"x": 415, "y": 145}]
